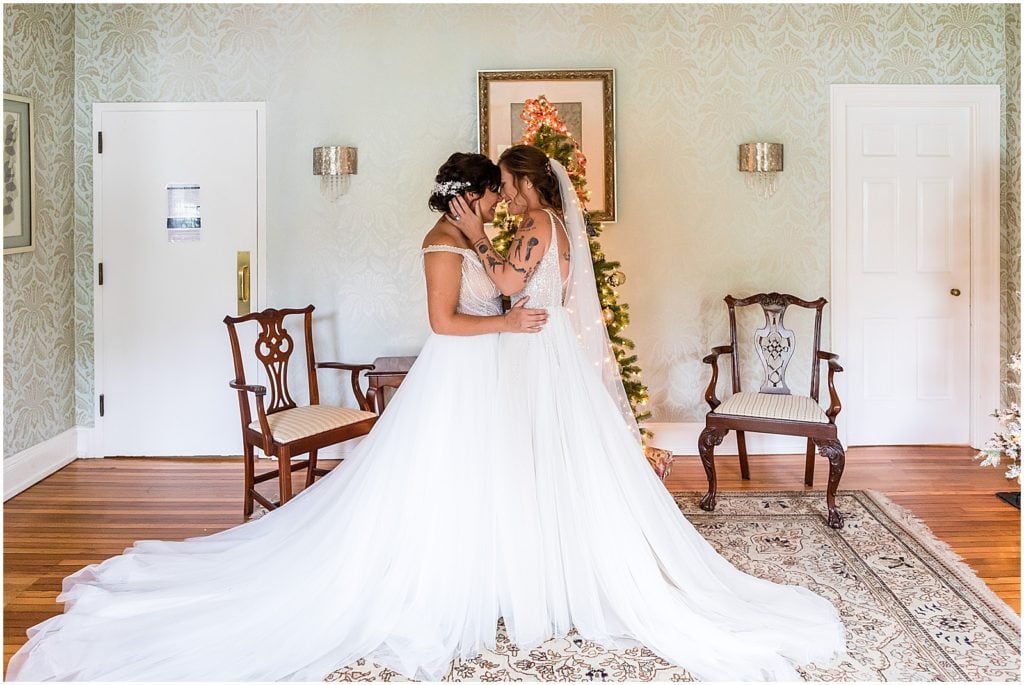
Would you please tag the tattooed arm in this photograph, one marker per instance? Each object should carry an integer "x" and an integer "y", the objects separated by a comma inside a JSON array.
[
  {"x": 527, "y": 249},
  {"x": 444, "y": 274}
]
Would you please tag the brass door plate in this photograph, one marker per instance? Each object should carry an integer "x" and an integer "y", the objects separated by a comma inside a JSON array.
[{"x": 243, "y": 279}]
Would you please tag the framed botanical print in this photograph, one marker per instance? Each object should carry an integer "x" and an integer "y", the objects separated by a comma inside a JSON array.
[
  {"x": 585, "y": 99},
  {"x": 19, "y": 163}
]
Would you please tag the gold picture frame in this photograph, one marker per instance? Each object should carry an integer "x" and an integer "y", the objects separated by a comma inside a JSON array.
[
  {"x": 585, "y": 99},
  {"x": 19, "y": 166}
]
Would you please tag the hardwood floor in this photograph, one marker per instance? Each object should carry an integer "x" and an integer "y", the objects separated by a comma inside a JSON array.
[{"x": 95, "y": 508}]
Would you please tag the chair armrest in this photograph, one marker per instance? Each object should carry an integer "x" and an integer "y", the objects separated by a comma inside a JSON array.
[
  {"x": 345, "y": 367},
  {"x": 710, "y": 394},
  {"x": 257, "y": 390},
  {"x": 716, "y": 352},
  {"x": 261, "y": 411},
  {"x": 356, "y": 369},
  {"x": 832, "y": 359},
  {"x": 835, "y": 406}
]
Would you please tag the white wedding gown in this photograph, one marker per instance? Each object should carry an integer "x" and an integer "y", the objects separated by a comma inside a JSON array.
[
  {"x": 391, "y": 556},
  {"x": 501, "y": 481},
  {"x": 599, "y": 542}
]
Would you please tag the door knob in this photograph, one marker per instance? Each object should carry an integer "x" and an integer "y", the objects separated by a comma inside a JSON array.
[{"x": 955, "y": 292}]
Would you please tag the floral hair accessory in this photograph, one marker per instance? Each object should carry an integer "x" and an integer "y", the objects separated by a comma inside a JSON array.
[{"x": 451, "y": 187}]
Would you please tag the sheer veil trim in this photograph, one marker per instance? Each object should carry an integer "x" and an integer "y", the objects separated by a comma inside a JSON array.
[{"x": 582, "y": 303}]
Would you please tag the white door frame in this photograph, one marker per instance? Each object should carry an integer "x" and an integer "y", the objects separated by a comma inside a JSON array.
[
  {"x": 983, "y": 103},
  {"x": 95, "y": 442}
]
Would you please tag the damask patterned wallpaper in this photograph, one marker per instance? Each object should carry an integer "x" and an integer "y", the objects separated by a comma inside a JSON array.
[
  {"x": 1010, "y": 205},
  {"x": 39, "y": 331},
  {"x": 692, "y": 82}
]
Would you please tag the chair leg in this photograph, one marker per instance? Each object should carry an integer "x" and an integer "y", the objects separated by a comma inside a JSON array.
[
  {"x": 809, "y": 464},
  {"x": 249, "y": 460},
  {"x": 741, "y": 443},
  {"x": 311, "y": 468},
  {"x": 709, "y": 438},
  {"x": 284, "y": 473},
  {"x": 833, "y": 451}
]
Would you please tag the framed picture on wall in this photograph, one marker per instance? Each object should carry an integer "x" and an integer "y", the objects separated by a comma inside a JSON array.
[
  {"x": 585, "y": 99},
  {"x": 19, "y": 162}
]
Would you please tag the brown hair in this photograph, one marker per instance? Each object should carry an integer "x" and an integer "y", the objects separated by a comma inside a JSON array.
[{"x": 529, "y": 162}]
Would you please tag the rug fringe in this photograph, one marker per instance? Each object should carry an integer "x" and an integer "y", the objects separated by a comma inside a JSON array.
[{"x": 920, "y": 531}]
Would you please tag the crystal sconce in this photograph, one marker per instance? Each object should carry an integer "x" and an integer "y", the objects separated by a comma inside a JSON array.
[
  {"x": 762, "y": 162},
  {"x": 335, "y": 166}
]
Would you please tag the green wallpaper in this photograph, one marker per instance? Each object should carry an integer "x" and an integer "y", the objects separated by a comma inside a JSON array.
[
  {"x": 39, "y": 331},
  {"x": 1010, "y": 200},
  {"x": 692, "y": 82}
]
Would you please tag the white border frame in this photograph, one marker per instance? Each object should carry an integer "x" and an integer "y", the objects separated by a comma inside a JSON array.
[
  {"x": 983, "y": 103},
  {"x": 95, "y": 439}
]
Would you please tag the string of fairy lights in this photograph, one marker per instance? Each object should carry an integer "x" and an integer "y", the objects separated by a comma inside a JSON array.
[{"x": 545, "y": 130}]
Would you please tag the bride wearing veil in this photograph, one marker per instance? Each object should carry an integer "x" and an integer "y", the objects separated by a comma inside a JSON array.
[{"x": 599, "y": 543}]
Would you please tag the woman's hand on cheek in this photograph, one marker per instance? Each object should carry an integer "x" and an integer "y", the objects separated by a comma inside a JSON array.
[{"x": 465, "y": 218}]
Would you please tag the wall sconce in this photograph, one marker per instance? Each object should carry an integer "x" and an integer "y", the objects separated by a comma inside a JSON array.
[
  {"x": 762, "y": 162},
  {"x": 335, "y": 166}
]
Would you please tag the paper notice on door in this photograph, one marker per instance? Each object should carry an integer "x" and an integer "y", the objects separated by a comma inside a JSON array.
[{"x": 183, "y": 220}]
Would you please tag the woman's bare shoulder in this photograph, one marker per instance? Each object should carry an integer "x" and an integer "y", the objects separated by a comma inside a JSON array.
[
  {"x": 537, "y": 218},
  {"x": 537, "y": 224},
  {"x": 445, "y": 234}
]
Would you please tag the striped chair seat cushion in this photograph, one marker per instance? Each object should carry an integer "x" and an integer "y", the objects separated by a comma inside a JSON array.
[
  {"x": 764, "y": 405},
  {"x": 301, "y": 422}
]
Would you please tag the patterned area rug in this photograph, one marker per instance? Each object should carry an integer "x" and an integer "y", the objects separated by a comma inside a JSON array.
[{"x": 913, "y": 611}]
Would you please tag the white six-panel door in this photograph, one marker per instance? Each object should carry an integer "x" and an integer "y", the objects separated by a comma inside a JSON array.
[
  {"x": 162, "y": 354},
  {"x": 912, "y": 239},
  {"x": 909, "y": 246}
]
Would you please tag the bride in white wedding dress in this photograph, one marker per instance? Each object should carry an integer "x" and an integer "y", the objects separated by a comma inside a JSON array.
[
  {"x": 391, "y": 556},
  {"x": 589, "y": 536}
]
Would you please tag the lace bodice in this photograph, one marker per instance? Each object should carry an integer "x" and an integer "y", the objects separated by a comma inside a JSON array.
[
  {"x": 545, "y": 287},
  {"x": 478, "y": 296}
]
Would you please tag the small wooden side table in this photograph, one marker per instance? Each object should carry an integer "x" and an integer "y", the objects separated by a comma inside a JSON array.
[{"x": 388, "y": 372}]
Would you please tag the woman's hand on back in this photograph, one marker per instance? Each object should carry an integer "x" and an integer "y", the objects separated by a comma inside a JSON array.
[{"x": 522, "y": 320}]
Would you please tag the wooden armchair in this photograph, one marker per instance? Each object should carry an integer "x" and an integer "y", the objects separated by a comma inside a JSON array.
[
  {"x": 282, "y": 429},
  {"x": 774, "y": 409}
]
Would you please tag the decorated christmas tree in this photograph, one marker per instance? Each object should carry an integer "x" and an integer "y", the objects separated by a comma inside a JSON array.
[{"x": 545, "y": 130}]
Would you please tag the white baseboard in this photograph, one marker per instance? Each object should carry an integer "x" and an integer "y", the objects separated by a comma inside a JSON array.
[
  {"x": 87, "y": 437},
  {"x": 28, "y": 467},
  {"x": 681, "y": 438}
]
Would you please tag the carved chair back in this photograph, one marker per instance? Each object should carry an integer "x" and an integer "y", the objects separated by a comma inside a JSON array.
[
  {"x": 773, "y": 342},
  {"x": 273, "y": 348}
]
